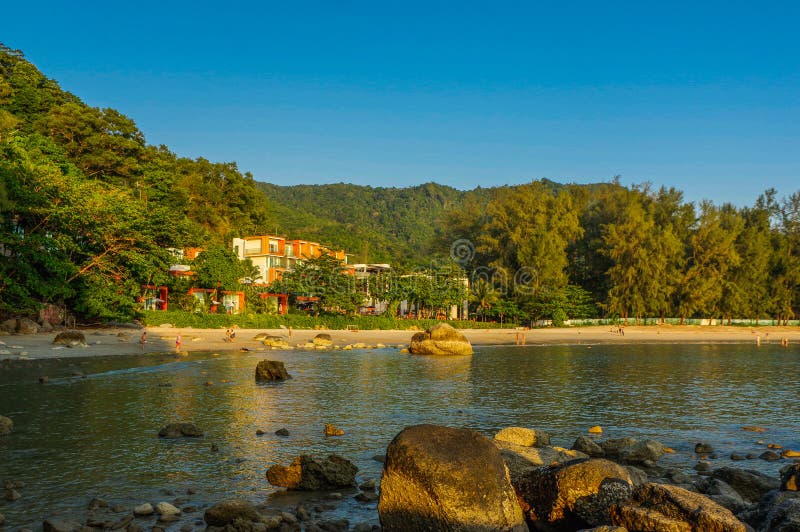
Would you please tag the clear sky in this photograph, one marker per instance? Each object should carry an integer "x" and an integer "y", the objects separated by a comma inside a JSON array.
[{"x": 703, "y": 96}]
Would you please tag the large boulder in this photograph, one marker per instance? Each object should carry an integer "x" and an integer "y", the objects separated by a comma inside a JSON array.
[
  {"x": 657, "y": 507},
  {"x": 226, "y": 512},
  {"x": 27, "y": 326},
  {"x": 523, "y": 436},
  {"x": 9, "y": 326},
  {"x": 441, "y": 478},
  {"x": 70, "y": 339},
  {"x": 180, "y": 430},
  {"x": 759, "y": 514},
  {"x": 521, "y": 460},
  {"x": 642, "y": 452},
  {"x": 271, "y": 370},
  {"x": 274, "y": 341},
  {"x": 784, "y": 517},
  {"x": 441, "y": 339},
  {"x": 589, "y": 446},
  {"x": 721, "y": 493},
  {"x": 551, "y": 493},
  {"x": 751, "y": 485},
  {"x": 615, "y": 446},
  {"x": 307, "y": 473},
  {"x": 323, "y": 339},
  {"x": 6, "y": 425}
]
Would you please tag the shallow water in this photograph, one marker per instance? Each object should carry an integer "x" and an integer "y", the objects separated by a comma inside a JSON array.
[{"x": 80, "y": 437}]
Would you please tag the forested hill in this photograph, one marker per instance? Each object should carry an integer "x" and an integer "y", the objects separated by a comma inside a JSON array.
[{"x": 401, "y": 226}]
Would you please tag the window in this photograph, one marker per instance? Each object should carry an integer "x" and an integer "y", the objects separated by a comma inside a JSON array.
[
  {"x": 252, "y": 247},
  {"x": 273, "y": 246},
  {"x": 289, "y": 250}
]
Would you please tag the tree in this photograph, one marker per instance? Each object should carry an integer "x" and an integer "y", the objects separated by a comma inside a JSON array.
[
  {"x": 323, "y": 277},
  {"x": 218, "y": 267}
]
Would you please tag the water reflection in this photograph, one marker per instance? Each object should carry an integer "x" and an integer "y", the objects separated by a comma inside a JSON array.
[{"x": 79, "y": 437}]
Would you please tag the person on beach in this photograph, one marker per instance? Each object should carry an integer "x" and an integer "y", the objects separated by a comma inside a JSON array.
[
  {"x": 143, "y": 340},
  {"x": 232, "y": 337},
  {"x": 178, "y": 343},
  {"x": 227, "y": 335}
]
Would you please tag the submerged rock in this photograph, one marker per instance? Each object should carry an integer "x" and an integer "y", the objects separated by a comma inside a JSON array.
[
  {"x": 6, "y": 425},
  {"x": 307, "y": 473},
  {"x": 271, "y": 370},
  {"x": 180, "y": 430},
  {"x": 441, "y": 478},
  {"x": 441, "y": 339},
  {"x": 226, "y": 512}
]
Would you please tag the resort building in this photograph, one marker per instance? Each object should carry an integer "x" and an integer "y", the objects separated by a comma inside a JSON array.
[{"x": 273, "y": 255}]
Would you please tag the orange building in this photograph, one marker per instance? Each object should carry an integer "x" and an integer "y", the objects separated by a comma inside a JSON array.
[{"x": 274, "y": 255}]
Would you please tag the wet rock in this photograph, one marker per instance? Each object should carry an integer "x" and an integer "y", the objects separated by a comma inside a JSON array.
[
  {"x": 332, "y": 430},
  {"x": 521, "y": 460},
  {"x": 703, "y": 448},
  {"x": 790, "y": 478},
  {"x": 613, "y": 446},
  {"x": 143, "y": 510},
  {"x": 166, "y": 509},
  {"x": 523, "y": 436},
  {"x": 597, "y": 429},
  {"x": 737, "y": 457},
  {"x": 549, "y": 494},
  {"x": 282, "y": 432},
  {"x": 769, "y": 456},
  {"x": 588, "y": 446},
  {"x": 657, "y": 507},
  {"x": 757, "y": 514},
  {"x": 595, "y": 509},
  {"x": 368, "y": 485},
  {"x": 11, "y": 495},
  {"x": 307, "y": 473},
  {"x": 642, "y": 452},
  {"x": 441, "y": 478},
  {"x": 180, "y": 430},
  {"x": 271, "y": 370},
  {"x": 226, "y": 512},
  {"x": 785, "y": 517},
  {"x": 702, "y": 467},
  {"x": 722, "y": 493},
  {"x": 379, "y": 458},
  {"x": 70, "y": 339},
  {"x": 366, "y": 497},
  {"x": 441, "y": 339},
  {"x": 59, "y": 525},
  {"x": 260, "y": 432},
  {"x": 323, "y": 339},
  {"x": 6, "y": 425}
]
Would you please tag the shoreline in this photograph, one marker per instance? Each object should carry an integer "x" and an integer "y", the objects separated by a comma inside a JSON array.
[{"x": 115, "y": 341}]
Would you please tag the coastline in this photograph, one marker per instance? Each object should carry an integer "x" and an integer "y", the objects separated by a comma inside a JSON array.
[{"x": 125, "y": 341}]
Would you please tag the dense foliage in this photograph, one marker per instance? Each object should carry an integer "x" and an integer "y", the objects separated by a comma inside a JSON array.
[{"x": 90, "y": 214}]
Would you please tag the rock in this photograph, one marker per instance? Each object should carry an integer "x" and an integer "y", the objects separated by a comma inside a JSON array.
[
  {"x": 613, "y": 446},
  {"x": 588, "y": 446},
  {"x": 367, "y": 485},
  {"x": 271, "y": 370},
  {"x": 180, "y": 430},
  {"x": 702, "y": 467},
  {"x": 597, "y": 429},
  {"x": 226, "y": 512},
  {"x": 165, "y": 508},
  {"x": 737, "y": 457},
  {"x": 641, "y": 452},
  {"x": 6, "y": 425},
  {"x": 703, "y": 448},
  {"x": 785, "y": 517},
  {"x": 789, "y": 453},
  {"x": 27, "y": 326},
  {"x": 366, "y": 496},
  {"x": 70, "y": 339},
  {"x": 9, "y": 326},
  {"x": 721, "y": 493},
  {"x": 754, "y": 428},
  {"x": 214, "y": 448},
  {"x": 274, "y": 341},
  {"x": 757, "y": 514},
  {"x": 656, "y": 507},
  {"x": 260, "y": 432},
  {"x": 441, "y": 339},
  {"x": 322, "y": 339},
  {"x": 550, "y": 493},
  {"x": 2, "y": 519},
  {"x": 595, "y": 509},
  {"x": 638, "y": 476},
  {"x": 307, "y": 473},
  {"x": 441, "y": 478},
  {"x": 522, "y": 460},
  {"x": 143, "y": 510},
  {"x": 751, "y": 485},
  {"x": 282, "y": 432},
  {"x": 58, "y": 525},
  {"x": 769, "y": 456},
  {"x": 11, "y": 495},
  {"x": 523, "y": 436},
  {"x": 790, "y": 477},
  {"x": 332, "y": 430},
  {"x": 604, "y": 528}
]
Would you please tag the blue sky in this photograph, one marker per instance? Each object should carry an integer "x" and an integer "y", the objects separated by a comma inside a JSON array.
[{"x": 705, "y": 98}]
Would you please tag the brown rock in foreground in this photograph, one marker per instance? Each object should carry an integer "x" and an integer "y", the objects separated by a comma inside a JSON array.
[
  {"x": 307, "y": 473},
  {"x": 441, "y": 339},
  {"x": 271, "y": 370},
  {"x": 441, "y": 478},
  {"x": 657, "y": 507}
]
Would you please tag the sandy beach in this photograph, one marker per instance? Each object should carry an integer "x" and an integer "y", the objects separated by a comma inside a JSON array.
[{"x": 122, "y": 341}]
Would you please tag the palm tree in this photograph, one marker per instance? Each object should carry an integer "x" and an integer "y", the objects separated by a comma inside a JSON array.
[{"x": 484, "y": 295}]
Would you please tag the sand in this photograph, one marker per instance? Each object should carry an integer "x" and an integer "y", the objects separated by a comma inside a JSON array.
[{"x": 112, "y": 341}]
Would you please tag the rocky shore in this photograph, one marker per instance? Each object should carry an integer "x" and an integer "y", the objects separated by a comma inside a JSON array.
[{"x": 443, "y": 478}]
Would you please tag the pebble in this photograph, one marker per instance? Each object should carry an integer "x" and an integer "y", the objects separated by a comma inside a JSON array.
[
  {"x": 165, "y": 508},
  {"x": 770, "y": 456},
  {"x": 737, "y": 456},
  {"x": 597, "y": 429},
  {"x": 282, "y": 432},
  {"x": 774, "y": 446},
  {"x": 143, "y": 509},
  {"x": 366, "y": 496},
  {"x": 260, "y": 432}
]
